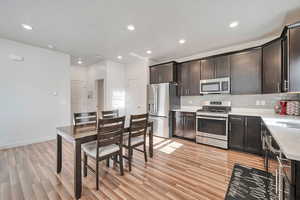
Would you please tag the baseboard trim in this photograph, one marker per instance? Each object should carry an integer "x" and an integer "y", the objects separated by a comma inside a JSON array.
[{"x": 26, "y": 142}]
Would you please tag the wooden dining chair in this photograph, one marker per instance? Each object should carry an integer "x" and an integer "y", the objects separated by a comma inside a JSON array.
[
  {"x": 136, "y": 137},
  {"x": 108, "y": 144},
  {"x": 110, "y": 114},
  {"x": 85, "y": 118}
]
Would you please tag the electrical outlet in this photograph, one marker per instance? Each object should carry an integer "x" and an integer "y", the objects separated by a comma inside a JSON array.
[
  {"x": 190, "y": 102},
  {"x": 262, "y": 102},
  {"x": 257, "y": 102}
]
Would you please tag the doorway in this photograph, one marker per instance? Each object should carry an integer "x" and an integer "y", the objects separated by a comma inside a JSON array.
[{"x": 99, "y": 95}]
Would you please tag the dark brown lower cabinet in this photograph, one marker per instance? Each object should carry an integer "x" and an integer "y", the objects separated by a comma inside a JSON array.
[
  {"x": 245, "y": 134},
  {"x": 184, "y": 125}
]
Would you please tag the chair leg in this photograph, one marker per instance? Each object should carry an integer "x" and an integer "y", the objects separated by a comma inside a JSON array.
[
  {"x": 115, "y": 160},
  {"x": 97, "y": 175},
  {"x": 145, "y": 152},
  {"x": 129, "y": 158},
  {"x": 107, "y": 162},
  {"x": 84, "y": 164},
  {"x": 121, "y": 162}
]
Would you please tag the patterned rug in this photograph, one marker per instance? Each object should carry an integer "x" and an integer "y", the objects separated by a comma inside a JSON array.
[{"x": 250, "y": 184}]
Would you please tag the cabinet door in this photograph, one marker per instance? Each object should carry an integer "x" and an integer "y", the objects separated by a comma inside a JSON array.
[
  {"x": 166, "y": 73},
  {"x": 153, "y": 75},
  {"x": 272, "y": 67},
  {"x": 178, "y": 124},
  {"x": 207, "y": 69},
  {"x": 184, "y": 76},
  {"x": 246, "y": 72},
  {"x": 236, "y": 132},
  {"x": 294, "y": 59},
  {"x": 222, "y": 66},
  {"x": 253, "y": 142},
  {"x": 194, "y": 78},
  {"x": 189, "y": 125}
]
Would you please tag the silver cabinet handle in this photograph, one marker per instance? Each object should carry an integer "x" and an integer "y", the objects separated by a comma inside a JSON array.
[
  {"x": 278, "y": 88},
  {"x": 286, "y": 85}
]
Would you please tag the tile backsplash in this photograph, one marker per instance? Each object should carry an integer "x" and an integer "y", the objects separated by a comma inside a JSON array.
[{"x": 263, "y": 101}]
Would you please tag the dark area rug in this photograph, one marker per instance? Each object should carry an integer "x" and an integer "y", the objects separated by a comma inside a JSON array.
[{"x": 250, "y": 184}]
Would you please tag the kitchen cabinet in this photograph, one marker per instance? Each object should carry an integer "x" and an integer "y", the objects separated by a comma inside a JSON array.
[
  {"x": 189, "y": 78},
  {"x": 222, "y": 66},
  {"x": 272, "y": 67},
  {"x": 184, "y": 125},
  {"x": 215, "y": 67},
  {"x": 207, "y": 69},
  {"x": 245, "y": 134},
  {"x": 163, "y": 73},
  {"x": 245, "y": 70},
  {"x": 294, "y": 59},
  {"x": 252, "y": 138},
  {"x": 236, "y": 132}
]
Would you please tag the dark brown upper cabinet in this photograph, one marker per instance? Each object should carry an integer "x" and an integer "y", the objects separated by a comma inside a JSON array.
[
  {"x": 294, "y": 59},
  {"x": 189, "y": 78},
  {"x": 222, "y": 66},
  {"x": 272, "y": 67},
  {"x": 246, "y": 72},
  {"x": 215, "y": 67},
  {"x": 163, "y": 73},
  {"x": 207, "y": 69}
]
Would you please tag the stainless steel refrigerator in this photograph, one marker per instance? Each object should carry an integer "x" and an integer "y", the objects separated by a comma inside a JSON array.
[{"x": 162, "y": 98}]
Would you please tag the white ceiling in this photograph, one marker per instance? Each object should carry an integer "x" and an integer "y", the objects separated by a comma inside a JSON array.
[{"x": 87, "y": 28}]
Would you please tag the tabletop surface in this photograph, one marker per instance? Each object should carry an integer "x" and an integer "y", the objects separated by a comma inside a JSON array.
[{"x": 70, "y": 132}]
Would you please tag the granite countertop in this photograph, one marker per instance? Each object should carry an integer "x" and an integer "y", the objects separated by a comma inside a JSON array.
[{"x": 284, "y": 129}]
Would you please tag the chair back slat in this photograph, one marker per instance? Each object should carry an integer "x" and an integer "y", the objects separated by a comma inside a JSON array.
[
  {"x": 86, "y": 118},
  {"x": 110, "y": 114},
  {"x": 138, "y": 125},
  {"x": 110, "y": 131}
]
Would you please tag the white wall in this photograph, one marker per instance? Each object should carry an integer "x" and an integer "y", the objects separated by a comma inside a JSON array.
[
  {"x": 30, "y": 110},
  {"x": 220, "y": 51},
  {"x": 79, "y": 89},
  {"x": 136, "y": 73}
]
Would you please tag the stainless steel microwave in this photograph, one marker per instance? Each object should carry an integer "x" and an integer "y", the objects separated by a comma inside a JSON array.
[{"x": 215, "y": 86}]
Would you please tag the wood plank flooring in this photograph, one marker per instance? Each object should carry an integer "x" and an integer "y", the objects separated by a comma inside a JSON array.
[{"x": 179, "y": 170}]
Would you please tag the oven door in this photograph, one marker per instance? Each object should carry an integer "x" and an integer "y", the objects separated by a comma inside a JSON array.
[{"x": 212, "y": 127}]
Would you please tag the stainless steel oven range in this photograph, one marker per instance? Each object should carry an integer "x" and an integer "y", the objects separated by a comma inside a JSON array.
[{"x": 212, "y": 123}]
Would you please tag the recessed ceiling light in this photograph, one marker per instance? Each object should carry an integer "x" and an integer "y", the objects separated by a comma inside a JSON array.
[
  {"x": 130, "y": 27},
  {"x": 120, "y": 57},
  {"x": 79, "y": 61},
  {"x": 181, "y": 41},
  {"x": 234, "y": 24},
  {"x": 50, "y": 46},
  {"x": 27, "y": 27},
  {"x": 149, "y": 52}
]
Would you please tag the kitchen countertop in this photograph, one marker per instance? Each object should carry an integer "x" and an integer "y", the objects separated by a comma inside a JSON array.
[{"x": 284, "y": 129}]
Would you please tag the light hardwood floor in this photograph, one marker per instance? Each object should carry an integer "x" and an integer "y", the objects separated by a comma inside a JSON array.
[{"x": 179, "y": 170}]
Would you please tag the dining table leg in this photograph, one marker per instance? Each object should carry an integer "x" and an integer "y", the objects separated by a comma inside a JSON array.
[
  {"x": 77, "y": 170},
  {"x": 151, "y": 140},
  {"x": 59, "y": 154}
]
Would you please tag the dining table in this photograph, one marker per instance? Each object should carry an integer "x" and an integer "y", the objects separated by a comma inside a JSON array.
[{"x": 78, "y": 136}]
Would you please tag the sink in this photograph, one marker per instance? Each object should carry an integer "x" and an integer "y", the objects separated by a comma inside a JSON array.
[{"x": 289, "y": 124}]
